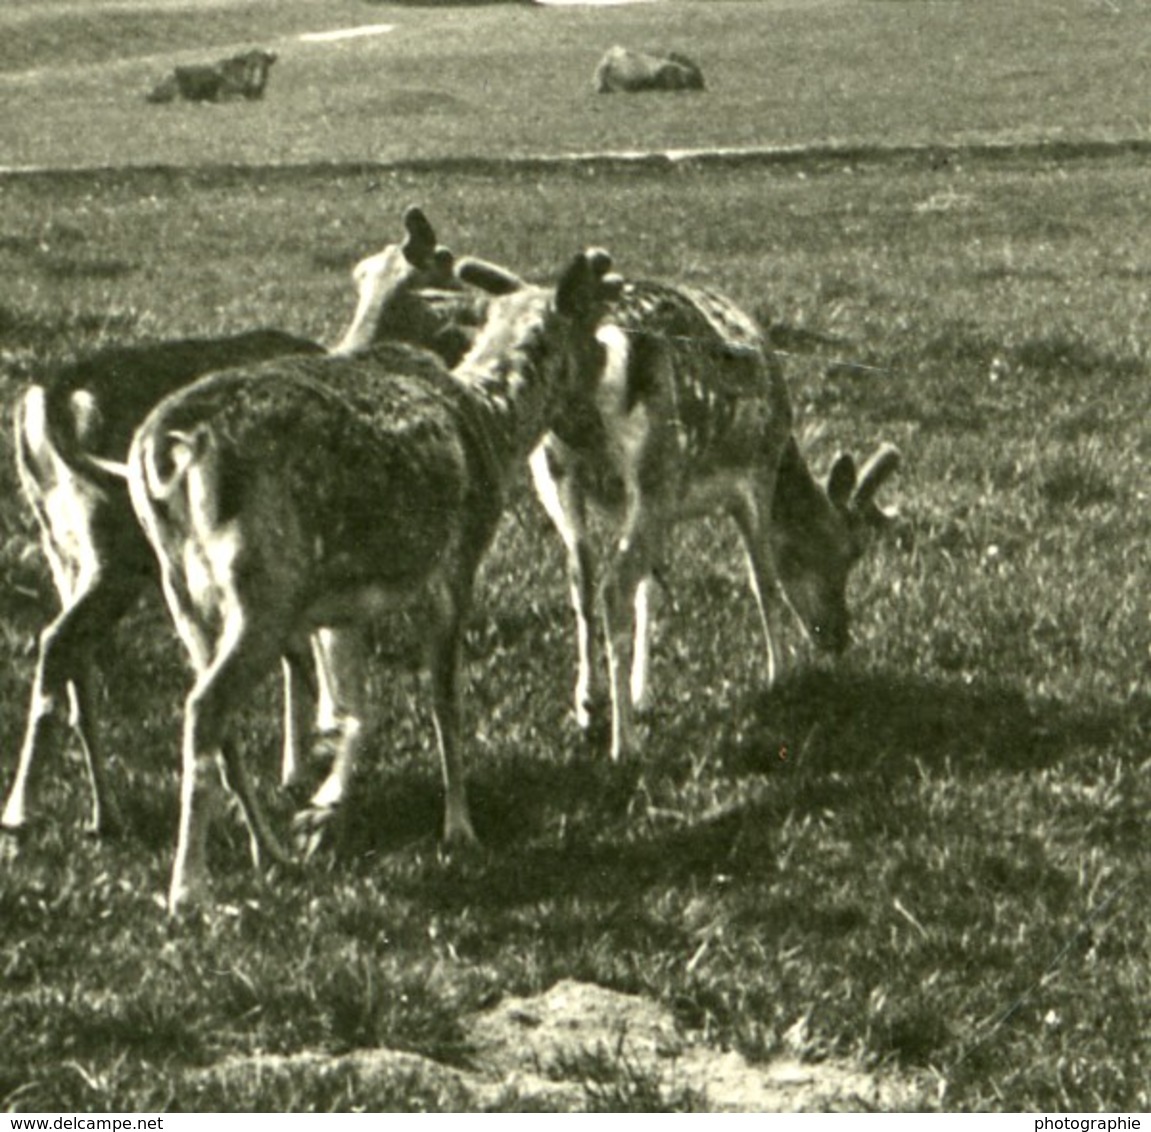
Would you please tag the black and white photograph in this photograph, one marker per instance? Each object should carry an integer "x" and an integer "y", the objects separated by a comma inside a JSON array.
[{"x": 575, "y": 556}]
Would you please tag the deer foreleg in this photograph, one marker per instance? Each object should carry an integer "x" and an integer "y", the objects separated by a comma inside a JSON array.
[
  {"x": 762, "y": 577},
  {"x": 557, "y": 488},
  {"x": 627, "y": 574}
]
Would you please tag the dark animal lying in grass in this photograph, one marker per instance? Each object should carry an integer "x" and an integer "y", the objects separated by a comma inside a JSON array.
[
  {"x": 241, "y": 76},
  {"x": 624, "y": 71}
]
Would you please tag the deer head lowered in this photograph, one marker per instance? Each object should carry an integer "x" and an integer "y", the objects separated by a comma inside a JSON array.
[{"x": 691, "y": 417}]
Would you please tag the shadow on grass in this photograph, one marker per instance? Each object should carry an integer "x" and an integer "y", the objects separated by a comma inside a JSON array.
[
  {"x": 852, "y": 721},
  {"x": 511, "y": 803},
  {"x": 568, "y": 823},
  {"x": 848, "y": 738}
]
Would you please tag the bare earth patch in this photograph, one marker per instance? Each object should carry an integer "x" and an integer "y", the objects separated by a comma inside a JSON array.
[{"x": 548, "y": 1050}]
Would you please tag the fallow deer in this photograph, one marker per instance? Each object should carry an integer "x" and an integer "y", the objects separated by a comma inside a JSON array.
[
  {"x": 311, "y": 493},
  {"x": 70, "y": 428},
  {"x": 692, "y": 417},
  {"x": 72, "y": 431}
]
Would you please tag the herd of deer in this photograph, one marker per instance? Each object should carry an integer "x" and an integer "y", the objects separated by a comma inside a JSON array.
[{"x": 288, "y": 493}]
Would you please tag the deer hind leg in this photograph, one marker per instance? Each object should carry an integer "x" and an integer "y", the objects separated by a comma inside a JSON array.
[
  {"x": 104, "y": 817},
  {"x": 42, "y": 716},
  {"x": 241, "y": 656},
  {"x": 342, "y": 660},
  {"x": 310, "y": 704},
  {"x": 641, "y": 654},
  {"x": 302, "y": 692},
  {"x": 557, "y": 487},
  {"x": 65, "y": 674}
]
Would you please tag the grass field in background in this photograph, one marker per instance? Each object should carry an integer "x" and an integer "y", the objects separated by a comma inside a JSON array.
[
  {"x": 948, "y": 874},
  {"x": 516, "y": 78},
  {"x": 978, "y": 760}
]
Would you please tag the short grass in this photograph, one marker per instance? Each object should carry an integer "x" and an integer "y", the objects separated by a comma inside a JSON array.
[
  {"x": 494, "y": 79},
  {"x": 935, "y": 850}
]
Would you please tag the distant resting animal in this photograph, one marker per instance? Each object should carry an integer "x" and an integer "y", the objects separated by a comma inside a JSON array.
[
  {"x": 625, "y": 71},
  {"x": 241, "y": 76}
]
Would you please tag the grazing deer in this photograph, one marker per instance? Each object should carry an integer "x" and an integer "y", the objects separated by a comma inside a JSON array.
[
  {"x": 72, "y": 433},
  {"x": 70, "y": 429},
  {"x": 692, "y": 418},
  {"x": 309, "y": 493}
]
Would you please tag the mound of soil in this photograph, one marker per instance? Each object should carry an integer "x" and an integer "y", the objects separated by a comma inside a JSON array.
[{"x": 560, "y": 1049}]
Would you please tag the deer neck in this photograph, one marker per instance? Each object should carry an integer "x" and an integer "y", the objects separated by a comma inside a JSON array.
[{"x": 507, "y": 374}]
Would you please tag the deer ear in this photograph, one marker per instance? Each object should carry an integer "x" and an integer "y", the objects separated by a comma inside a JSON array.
[
  {"x": 420, "y": 243},
  {"x": 609, "y": 284},
  {"x": 487, "y": 276},
  {"x": 841, "y": 480}
]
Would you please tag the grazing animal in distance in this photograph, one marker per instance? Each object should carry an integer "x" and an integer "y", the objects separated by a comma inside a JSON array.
[
  {"x": 240, "y": 76},
  {"x": 72, "y": 430},
  {"x": 292, "y": 495},
  {"x": 691, "y": 417},
  {"x": 629, "y": 72}
]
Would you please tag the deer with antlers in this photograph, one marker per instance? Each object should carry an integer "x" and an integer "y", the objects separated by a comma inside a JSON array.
[
  {"x": 691, "y": 417},
  {"x": 72, "y": 432},
  {"x": 311, "y": 493}
]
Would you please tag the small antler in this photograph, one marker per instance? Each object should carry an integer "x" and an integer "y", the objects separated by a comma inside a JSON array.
[
  {"x": 878, "y": 469},
  {"x": 419, "y": 246}
]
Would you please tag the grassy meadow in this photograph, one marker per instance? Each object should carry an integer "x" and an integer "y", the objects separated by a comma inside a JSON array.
[
  {"x": 499, "y": 79},
  {"x": 930, "y": 855}
]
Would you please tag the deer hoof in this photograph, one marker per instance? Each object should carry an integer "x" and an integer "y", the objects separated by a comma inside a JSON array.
[{"x": 310, "y": 828}]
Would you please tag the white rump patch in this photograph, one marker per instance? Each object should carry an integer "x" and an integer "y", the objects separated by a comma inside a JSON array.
[
  {"x": 345, "y": 33},
  {"x": 35, "y": 419}
]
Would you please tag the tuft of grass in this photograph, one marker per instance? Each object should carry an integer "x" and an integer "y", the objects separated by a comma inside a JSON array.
[{"x": 613, "y": 1082}]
